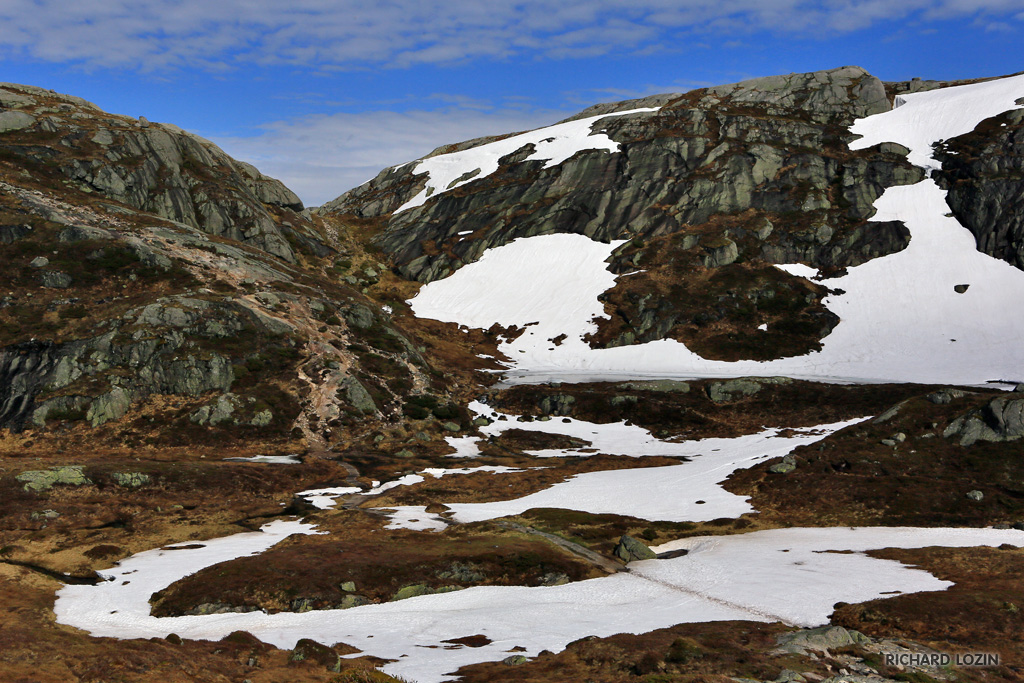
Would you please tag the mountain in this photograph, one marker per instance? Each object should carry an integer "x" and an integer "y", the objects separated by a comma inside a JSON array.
[{"x": 708, "y": 362}]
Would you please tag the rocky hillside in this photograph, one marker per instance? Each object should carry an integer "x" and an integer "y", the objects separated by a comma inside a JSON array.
[{"x": 168, "y": 294}]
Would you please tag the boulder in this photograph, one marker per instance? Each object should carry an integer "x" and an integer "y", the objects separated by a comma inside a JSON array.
[
  {"x": 307, "y": 650},
  {"x": 730, "y": 390},
  {"x": 630, "y": 549},
  {"x": 557, "y": 404},
  {"x": 357, "y": 395}
]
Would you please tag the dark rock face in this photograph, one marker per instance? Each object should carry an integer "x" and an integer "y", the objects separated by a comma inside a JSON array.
[
  {"x": 157, "y": 349},
  {"x": 984, "y": 174},
  {"x": 156, "y": 168},
  {"x": 772, "y": 150}
]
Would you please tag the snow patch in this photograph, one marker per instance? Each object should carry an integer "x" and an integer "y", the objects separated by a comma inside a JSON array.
[
  {"x": 688, "y": 492},
  {"x": 553, "y": 145}
]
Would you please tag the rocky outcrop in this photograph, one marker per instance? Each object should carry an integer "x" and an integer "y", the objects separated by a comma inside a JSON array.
[
  {"x": 1001, "y": 419},
  {"x": 984, "y": 174},
  {"x": 773, "y": 151},
  {"x": 167, "y": 347},
  {"x": 156, "y": 168}
]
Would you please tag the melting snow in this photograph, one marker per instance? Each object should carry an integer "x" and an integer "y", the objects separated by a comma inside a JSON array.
[
  {"x": 746, "y": 576},
  {"x": 690, "y": 491},
  {"x": 465, "y": 446},
  {"x": 270, "y": 459},
  {"x": 553, "y": 144}
]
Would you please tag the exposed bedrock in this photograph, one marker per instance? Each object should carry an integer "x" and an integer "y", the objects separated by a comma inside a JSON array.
[
  {"x": 772, "y": 150},
  {"x": 984, "y": 174}
]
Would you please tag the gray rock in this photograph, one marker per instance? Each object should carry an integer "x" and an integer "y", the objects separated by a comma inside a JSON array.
[
  {"x": 14, "y": 100},
  {"x": 451, "y": 427},
  {"x": 730, "y": 390},
  {"x": 630, "y": 549},
  {"x": 620, "y": 401},
  {"x": 358, "y": 316},
  {"x": 350, "y": 601},
  {"x": 55, "y": 279},
  {"x": 557, "y": 404},
  {"x": 130, "y": 480},
  {"x": 666, "y": 385},
  {"x": 515, "y": 660},
  {"x": 15, "y": 120},
  {"x": 1002, "y": 419},
  {"x": 412, "y": 591},
  {"x": 893, "y": 148},
  {"x": 983, "y": 172},
  {"x": 221, "y": 410},
  {"x": 9, "y": 234},
  {"x": 39, "y": 262},
  {"x": 348, "y": 586},
  {"x": 697, "y": 158},
  {"x": 820, "y": 640},
  {"x": 109, "y": 406},
  {"x": 784, "y": 467},
  {"x": 975, "y": 495},
  {"x": 721, "y": 254},
  {"x": 944, "y": 396},
  {"x": 357, "y": 396},
  {"x": 44, "y": 480}
]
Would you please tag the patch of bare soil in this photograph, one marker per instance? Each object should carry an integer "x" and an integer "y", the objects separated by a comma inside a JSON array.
[{"x": 78, "y": 529}]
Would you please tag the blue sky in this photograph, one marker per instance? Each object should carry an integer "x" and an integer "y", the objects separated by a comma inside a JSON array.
[{"x": 325, "y": 93}]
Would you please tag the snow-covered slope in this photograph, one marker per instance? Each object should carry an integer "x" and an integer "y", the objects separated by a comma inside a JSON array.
[
  {"x": 553, "y": 145},
  {"x": 902, "y": 316}
]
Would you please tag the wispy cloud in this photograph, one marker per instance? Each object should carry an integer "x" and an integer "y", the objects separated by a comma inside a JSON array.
[
  {"x": 319, "y": 157},
  {"x": 148, "y": 35}
]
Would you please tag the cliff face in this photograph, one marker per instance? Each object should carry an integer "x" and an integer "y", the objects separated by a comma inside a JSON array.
[{"x": 984, "y": 173}]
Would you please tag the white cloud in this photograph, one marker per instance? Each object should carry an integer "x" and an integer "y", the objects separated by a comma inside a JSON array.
[
  {"x": 319, "y": 157},
  {"x": 160, "y": 34}
]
